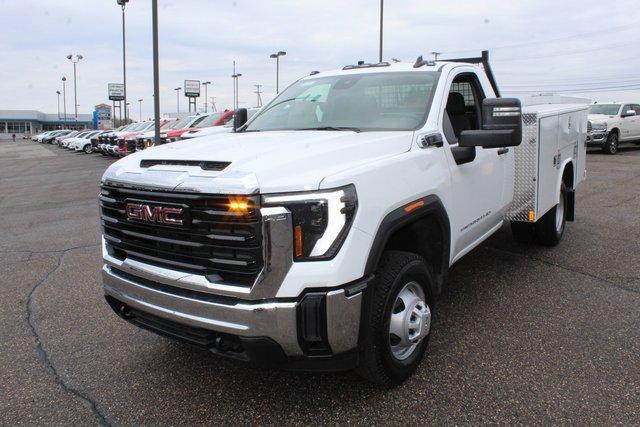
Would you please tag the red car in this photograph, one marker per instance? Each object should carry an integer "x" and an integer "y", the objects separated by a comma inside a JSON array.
[{"x": 193, "y": 123}]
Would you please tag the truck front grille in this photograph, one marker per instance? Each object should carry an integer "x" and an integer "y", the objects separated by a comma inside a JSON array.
[{"x": 224, "y": 245}]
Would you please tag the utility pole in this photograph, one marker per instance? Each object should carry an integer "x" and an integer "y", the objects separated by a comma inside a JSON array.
[
  {"x": 381, "y": 22},
  {"x": 140, "y": 101},
  {"x": 75, "y": 59},
  {"x": 257, "y": 92},
  {"x": 58, "y": 92},
  {"x": 178, "y": 89},
  {"x": 122, "y": 3},
  {"x": 205, "y": 84},
  {"x": 435, "y": 55},
  {"x": 156, "y": 73},
  {"x": 277, "y": 56}
]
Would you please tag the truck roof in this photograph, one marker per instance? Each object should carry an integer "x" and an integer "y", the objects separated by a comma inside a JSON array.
[{"x": 391, "y": 67}]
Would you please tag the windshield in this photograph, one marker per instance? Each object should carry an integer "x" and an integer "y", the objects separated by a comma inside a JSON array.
[
  {"x": 168, "y": 125},
  {"x": 182, "y": 123},
  {"x": 209, "y": 120},
  {"x": 607, "y": 109},
  {"x": 376, "y": 101}
]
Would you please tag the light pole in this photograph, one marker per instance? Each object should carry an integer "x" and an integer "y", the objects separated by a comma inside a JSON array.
[
  {"x": 58, "y": 92},
  {"x": 140, "y": 101},
  {"x": 236, "y": 95},
  {"x": 213, "y": 104},
  {"x": 277, "y": 58},
  {"x": 205, "y": 84},
  {"x": 126, "y": 111},
  {"x": 435, "y": 55},
  {"x": 64, "y": 98},
  {"x": 75, "y": 59},
  {"x": 122, "y": 4},
  {"x": 178, "y": 89},
  {"x": 381, "y": 21}
]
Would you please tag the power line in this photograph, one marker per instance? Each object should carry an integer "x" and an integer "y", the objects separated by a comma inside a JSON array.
[
  {"x": 579, "y": 90},
  {"x": 569, "y": 83},
  {"x": 618, "y": 28},
  {"x": 567, "y": 53}
]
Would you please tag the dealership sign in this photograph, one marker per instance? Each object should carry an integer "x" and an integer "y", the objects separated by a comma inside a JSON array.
[
  {"x": 192, "y": 88},
  {"x": 116, "y": 91}
]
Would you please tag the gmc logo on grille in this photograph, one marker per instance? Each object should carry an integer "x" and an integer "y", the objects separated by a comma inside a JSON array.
[{"x": 155, "y": 214}]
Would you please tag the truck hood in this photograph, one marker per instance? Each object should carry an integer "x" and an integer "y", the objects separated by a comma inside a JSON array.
[{"x": 266, "y": 162}]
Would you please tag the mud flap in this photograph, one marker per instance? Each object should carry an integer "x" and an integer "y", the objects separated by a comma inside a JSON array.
[{"x": 571, "y": 204}]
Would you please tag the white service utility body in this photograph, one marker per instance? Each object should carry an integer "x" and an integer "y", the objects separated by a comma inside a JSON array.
[{"x": 319, "y": 234}]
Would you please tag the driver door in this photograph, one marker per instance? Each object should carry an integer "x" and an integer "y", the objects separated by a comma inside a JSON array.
[{"x": 478, "y": 182}]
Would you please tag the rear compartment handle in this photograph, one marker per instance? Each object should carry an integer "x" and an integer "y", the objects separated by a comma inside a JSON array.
[{"x": 503, "y": 151}]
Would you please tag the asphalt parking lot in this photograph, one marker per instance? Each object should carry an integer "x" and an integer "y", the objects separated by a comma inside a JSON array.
[{"x": 523, "y": 334}]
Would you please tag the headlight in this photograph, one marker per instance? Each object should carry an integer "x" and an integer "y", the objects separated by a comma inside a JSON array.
[
  {"x": 321, "y": 220},
  {"x": 599, "y": 126}
]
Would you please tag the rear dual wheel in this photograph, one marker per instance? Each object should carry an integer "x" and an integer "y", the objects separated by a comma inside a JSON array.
[{"x": 549, "y": 229}]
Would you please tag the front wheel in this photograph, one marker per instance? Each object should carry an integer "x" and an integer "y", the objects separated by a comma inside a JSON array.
[
  {"x": 88, "y": 149},
  {"x": 397, "y": 320},
  {"x": 611, "y": 145}
]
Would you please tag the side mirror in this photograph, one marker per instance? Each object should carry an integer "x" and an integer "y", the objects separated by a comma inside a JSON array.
[
  {"x": 628, "y": 113},
  {"x": 501, "y": 125},
  {"x": 239, "y": 118}
]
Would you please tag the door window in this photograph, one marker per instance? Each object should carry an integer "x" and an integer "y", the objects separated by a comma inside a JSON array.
[{"x": 463, "y": 106}]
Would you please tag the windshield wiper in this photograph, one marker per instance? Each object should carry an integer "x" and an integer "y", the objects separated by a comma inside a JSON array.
[{"x": 343, "y": 128}]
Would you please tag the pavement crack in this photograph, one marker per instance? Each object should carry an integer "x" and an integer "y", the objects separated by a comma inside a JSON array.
[
  {"x": 563, "y": 267},
  {"x": 42, "y": 354}
]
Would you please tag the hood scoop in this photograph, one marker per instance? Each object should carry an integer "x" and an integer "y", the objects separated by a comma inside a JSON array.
[{"x": 202, "y": 164}]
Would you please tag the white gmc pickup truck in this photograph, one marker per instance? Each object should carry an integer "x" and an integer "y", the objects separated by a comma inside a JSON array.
[{"x": 318, "y": 235}]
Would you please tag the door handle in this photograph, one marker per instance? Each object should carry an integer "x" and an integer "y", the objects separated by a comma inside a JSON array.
[{"x": 503, "y": 151}]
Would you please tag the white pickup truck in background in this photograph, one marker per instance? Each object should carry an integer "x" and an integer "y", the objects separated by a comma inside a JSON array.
[
  {"x": 319, "y": 234},
  {"x": 612, "y": 123}
]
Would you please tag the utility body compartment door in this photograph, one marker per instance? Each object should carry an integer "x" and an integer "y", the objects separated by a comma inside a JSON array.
[{"x": 548, "y": 164}]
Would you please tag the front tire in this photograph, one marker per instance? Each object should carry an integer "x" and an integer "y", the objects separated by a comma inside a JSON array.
[
  {"x": 397, "y": 319},
  {"x": 87, "y": 149},
  {"x": 611, "y": 146}
]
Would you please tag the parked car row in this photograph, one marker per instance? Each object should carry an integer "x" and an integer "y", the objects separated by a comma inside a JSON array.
[
  {"x": 138, "y": 136},
  {"x": 613, "y": 123}
]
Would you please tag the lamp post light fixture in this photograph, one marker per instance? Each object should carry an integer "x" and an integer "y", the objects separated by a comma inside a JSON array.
[
  {"x": 64, "y": 98},
  {"x": 277, "y": 58},
  {"x": 178, "y": 89},
  {"x": 58, "y": 92},
  {"x": 75, "y": 59},
  {"x": 122, "y": 4},
  {"x": 205, "y": 84},
  {"x": 140, "y": 101}
]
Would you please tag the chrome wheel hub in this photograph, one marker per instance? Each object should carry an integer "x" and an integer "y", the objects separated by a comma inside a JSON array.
[{"x": 410, "y": 321}]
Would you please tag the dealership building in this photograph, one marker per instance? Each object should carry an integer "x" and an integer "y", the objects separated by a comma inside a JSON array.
[{"x": 26, "y": 122}]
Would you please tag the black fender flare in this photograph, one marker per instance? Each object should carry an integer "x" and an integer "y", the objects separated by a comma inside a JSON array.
[{"x": 398, "y": 218}]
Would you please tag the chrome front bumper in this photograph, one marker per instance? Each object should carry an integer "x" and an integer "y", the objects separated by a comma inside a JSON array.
[
  {"x": 192, "y": 300},
  {"x": 597, "y": 137}
]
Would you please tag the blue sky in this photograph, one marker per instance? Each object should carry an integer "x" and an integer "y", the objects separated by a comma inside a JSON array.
[{"x": 536, "y": 45}]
